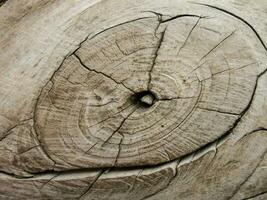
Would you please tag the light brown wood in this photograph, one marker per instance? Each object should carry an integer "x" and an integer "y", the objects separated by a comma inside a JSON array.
[{"x": 111, "y": 100}]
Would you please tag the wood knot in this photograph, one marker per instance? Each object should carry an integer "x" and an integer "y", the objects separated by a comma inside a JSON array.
[
  {"x": 135, "y": 94},
  {"x": 144, "y": 99}
]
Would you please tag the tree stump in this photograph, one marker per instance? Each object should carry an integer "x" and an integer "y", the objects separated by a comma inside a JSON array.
[{"x": 114, "y": 100}]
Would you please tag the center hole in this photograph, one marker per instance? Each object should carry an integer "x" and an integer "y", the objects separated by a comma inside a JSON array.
[{"x": 144, "y": 98}]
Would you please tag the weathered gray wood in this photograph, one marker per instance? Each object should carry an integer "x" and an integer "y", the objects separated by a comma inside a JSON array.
[{"x": 133, "y": 99}]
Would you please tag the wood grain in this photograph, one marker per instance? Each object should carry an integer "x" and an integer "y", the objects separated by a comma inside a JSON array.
[{"x": 133, "y": 100}]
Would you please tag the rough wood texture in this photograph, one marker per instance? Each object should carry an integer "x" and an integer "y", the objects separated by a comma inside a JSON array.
[{"x": 120, "y": 99}]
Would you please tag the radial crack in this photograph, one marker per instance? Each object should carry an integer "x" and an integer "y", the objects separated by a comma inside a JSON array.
[
  {"x": 249, "y": 176},
  {"x": 109, "y": 117},
  {"x": 188, "y": 36},
  {"x": 217, "y": 45},
  {"x": 255, "y": 195},
  {"x": 98, "y": 72},
  {"x": 47, "y": 182},
  {"x": 9, "y": 131},
  {"x": 220, "y": 72},
  {"x": 25, "y": 151},
  {"x": 119, "y": 150},
  {"x": 135, "y": 180},
  {"x": 236, "y": 16},
  {"x": 218, "y": 111},
  {"x": 87, "y": 151},
  {"x": 91, "y": 185},
  {"x": 160, "y": 41},
  {"x": 119, "y": 127}
]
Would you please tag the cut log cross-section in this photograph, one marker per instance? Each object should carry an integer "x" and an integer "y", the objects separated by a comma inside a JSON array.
[{"x": 118, "y": 100}]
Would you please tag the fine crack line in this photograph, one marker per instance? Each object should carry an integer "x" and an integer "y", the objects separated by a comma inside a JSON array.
[
  {"x": 217, "y": 45},
  {"x": 112, "y": 116},
  {"x": 87, "y": 151},
  {"x": 235, "y": 16},
  {"x": 91, "y": 185},
  {"x": 119, "y": 150},
  {"x": 130, "y": 53},
  {"x": 191, "y": 111},
  {"x": 29, "y": 149},
  {"x": 230, "y": 69},
  {"x": 111, "y": 27},
  {"x": 218, "y": 111},
  {"x": 135, "y": 180},
  {"x": 9, "y": 131},
  {"x": 119, "y": 127},
  {"x": 126, "y": 22},
  {"x": 176, "y": 98},
  {"x": 249, "y": 176},
  {"x": 47, "y": 182},
  {"x": 254, "y": 196},
  {"x": 99, "y": 72},
  {"x": 220, "y": 72},
  {"x": 196, "y": 68},
  {"x": 119, "y": 47},
  {"x": 188, "y": 36},
  {"x": 155, "y": 56}
]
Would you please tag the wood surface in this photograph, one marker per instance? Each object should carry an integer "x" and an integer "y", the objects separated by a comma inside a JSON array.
[{"x": 133, "y": 100}]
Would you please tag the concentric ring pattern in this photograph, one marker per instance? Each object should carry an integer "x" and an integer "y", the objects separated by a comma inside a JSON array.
[{"x": 88, "y": 115}]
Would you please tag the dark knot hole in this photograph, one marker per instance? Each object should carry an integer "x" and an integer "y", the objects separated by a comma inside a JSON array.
[{"x": 144, "y": 99}]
